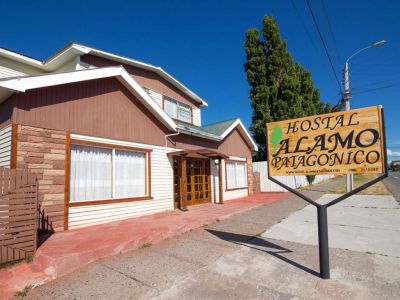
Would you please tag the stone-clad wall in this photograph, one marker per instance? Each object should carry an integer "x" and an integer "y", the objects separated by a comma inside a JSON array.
[
  {"x": 250, "y": 182},
  {"x": 43, "y": 152}
]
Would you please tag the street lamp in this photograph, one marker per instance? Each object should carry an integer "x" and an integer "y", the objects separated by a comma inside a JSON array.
[{"x": 346, "y": 96}]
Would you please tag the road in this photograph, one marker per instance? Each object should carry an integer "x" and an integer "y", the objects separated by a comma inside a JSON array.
[
  {"x": 392, "y": 183},
  {"x": 231, "y": 259}
]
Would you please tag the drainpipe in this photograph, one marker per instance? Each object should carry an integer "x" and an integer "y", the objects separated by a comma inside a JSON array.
[{"x": 169, "y": 135}]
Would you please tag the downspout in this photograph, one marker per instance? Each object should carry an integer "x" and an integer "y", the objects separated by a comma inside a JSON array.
[{"x": 169, "y": 135}]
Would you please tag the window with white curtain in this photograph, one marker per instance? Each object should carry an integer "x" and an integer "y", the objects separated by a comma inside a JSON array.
[
  {"x": 236, "y": 175},
  {"x": 103, "y": 173},
  {"x": 178, "y": 110}
]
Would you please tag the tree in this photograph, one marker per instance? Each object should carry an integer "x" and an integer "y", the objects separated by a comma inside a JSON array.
[{"x": 280, "y": 88}]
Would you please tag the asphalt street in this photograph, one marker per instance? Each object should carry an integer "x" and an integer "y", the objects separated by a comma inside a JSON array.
[
  {"x": 392, "y": 183},
  {"x": 233, "y": 259}
]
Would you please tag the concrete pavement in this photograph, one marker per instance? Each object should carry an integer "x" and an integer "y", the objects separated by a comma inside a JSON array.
[
  {"x": 231, "y": 260},
  {"x": 361, "y": 223}
]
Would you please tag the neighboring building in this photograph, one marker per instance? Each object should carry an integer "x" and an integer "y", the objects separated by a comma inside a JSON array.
[
  {"x": 112, "y": 138},
  {"x": 395, "y": 165}
]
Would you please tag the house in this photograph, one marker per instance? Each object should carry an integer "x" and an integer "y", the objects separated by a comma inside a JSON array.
[{"x": 111, "y": 138}]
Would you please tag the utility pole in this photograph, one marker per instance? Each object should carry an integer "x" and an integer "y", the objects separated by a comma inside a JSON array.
[{"x": 346, "y": 98}]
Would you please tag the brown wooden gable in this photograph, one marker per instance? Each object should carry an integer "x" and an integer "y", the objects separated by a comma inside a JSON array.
[
  {"x": 233, "y": 145},
  {"x": 102, "y": 107},
  {"x": 145, "y": 78}
]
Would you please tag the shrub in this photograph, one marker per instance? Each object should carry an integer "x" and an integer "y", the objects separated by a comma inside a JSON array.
[{"x": 310, "y": 179}]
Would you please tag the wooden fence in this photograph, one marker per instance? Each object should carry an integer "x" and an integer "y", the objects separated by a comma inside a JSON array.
[{"x": 18, "y": 214}]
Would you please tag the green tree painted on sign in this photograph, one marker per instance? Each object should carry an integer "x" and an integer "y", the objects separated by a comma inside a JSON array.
[
  {"x": 276, "y": 137},
  {"x": 280, "y": 88}
]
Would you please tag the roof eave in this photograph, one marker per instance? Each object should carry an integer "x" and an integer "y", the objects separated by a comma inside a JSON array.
[
  {"x": 247, "y": 135},
  {"x": 39, "y": 81}
]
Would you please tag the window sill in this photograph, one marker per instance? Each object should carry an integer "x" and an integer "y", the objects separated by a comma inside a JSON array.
[
  {"x": 108, "y": 201},
  {"x": 235, "y": 189}
]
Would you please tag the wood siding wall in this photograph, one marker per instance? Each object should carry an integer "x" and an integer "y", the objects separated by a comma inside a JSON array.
[
  {"x": 5, "y": 146},
  {"x": 6, "y": 110},
  {"x": 101, "y": 108},
  {"x": 145, "y": 78},
  {"x": 157, "y": 97},
  {"x": 10, "y": 68},
  {"x": 161, "y": 191},
  {"x": 233, "y": 145}
]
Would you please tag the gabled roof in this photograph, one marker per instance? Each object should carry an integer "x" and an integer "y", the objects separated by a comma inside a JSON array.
[
  {"x": 218, "y": 128},
  {"x": 72, "y": 50},
  {"x": 24, "y": 83},
  {"x": 217, "y": 131}
]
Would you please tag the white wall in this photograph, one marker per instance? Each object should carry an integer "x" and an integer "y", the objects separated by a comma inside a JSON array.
[
  {"x": 10, "y": 68},
  {"x": 5, "y": 147},
  {"x": 196, "y": 116},
  {"x": 161, "y": 187},
  {"x": 157, "y": 97},
  {"x": 230, "y": 195},
  {"x": 267, "y": 185},
  {"x": 214, "y": 181}
]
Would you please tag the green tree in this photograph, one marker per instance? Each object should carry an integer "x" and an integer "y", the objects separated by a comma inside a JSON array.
[{"x": 280, "y": 88}]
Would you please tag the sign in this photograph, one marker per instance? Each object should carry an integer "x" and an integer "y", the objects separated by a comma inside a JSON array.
[{"x": 336, "y": 143}]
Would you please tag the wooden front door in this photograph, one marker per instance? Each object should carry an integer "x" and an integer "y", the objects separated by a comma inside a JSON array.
[{"x": 198, "y": 183}]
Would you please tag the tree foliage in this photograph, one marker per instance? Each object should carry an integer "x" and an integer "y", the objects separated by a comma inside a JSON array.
[{"x": 280, "y": 88}]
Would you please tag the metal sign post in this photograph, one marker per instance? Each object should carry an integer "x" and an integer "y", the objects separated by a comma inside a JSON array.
[{"x": 363, "y": 120}]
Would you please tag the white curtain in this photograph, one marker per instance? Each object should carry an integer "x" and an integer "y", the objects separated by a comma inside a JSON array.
[
  {"x": 240, "y": 175},
  {"x": 130, "y": 174},
  {"x": 230, "y": 175},
  {"x": 91, "y": 171},
  {"x": 236, "y": 175},
  {"x": 184, "y": 113},
  {"x": 170, "y": 107}
]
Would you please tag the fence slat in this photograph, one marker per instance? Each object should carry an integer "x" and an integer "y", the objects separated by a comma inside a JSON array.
[{"x": 18, "y": 214}]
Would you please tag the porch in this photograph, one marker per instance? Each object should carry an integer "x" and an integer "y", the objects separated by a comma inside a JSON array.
[
  {"x": 67, "y": 251},
  {"x": 194, "y": 182}
]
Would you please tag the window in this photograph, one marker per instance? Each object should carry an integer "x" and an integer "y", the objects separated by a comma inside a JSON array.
[
  {"x": 236, "y": 175},
  {"x": 103, "y": 173},
  {"x": 178, "y": 110}
]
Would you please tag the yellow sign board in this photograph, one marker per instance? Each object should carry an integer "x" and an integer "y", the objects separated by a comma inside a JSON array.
[{"x": 336, "y": 143}]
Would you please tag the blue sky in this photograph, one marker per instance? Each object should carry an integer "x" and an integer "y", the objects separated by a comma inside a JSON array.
[{"x": 201, "y": 44}]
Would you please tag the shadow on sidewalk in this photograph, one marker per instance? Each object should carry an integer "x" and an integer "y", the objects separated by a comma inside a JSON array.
[{"x": 260, "y": 244}]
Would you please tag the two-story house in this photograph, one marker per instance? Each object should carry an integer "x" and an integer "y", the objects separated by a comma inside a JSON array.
[{"x": 111, "y": 138}]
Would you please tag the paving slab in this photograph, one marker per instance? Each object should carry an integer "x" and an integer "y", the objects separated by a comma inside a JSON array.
[
  {"x": 272, "y": 269},
  {"x": 229, "y": 260},
  {"x": 361, "y": 223}
]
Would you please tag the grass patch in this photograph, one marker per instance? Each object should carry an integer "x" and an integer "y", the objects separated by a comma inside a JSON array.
[
  {"x": 24, "y": 292},
  {"x": 146, "y": 245},
  {"x": 358, "y": 180},
  {"x": 8, "y": 264}
]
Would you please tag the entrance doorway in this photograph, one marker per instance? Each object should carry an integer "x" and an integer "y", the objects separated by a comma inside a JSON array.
[{"x": 198, "y": 183}]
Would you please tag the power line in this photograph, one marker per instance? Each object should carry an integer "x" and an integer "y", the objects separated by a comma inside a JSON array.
[
  {"x": 330, "y": 30},
  {"x": 376, "y": 89},
  {"x": 324, "y": 44},
  {"x": 372, "y": 84},
  {"x": 309, "y": 36},
  {"x": 304, "y": 26}
]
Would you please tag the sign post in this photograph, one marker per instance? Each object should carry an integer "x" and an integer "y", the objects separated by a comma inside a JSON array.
[{"x": 345, "y": 142}]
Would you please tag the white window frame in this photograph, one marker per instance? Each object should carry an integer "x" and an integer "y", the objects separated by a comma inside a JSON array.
[
  {"x": 237, "y": 186},
  {"x": 113, "y": 187},
  {"x": 178, "y": 106}
]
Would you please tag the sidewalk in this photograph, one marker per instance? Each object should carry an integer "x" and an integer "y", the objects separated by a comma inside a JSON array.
[
  {"x": 68, "y": 251},
  {"x": 231, "y": 259}
]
